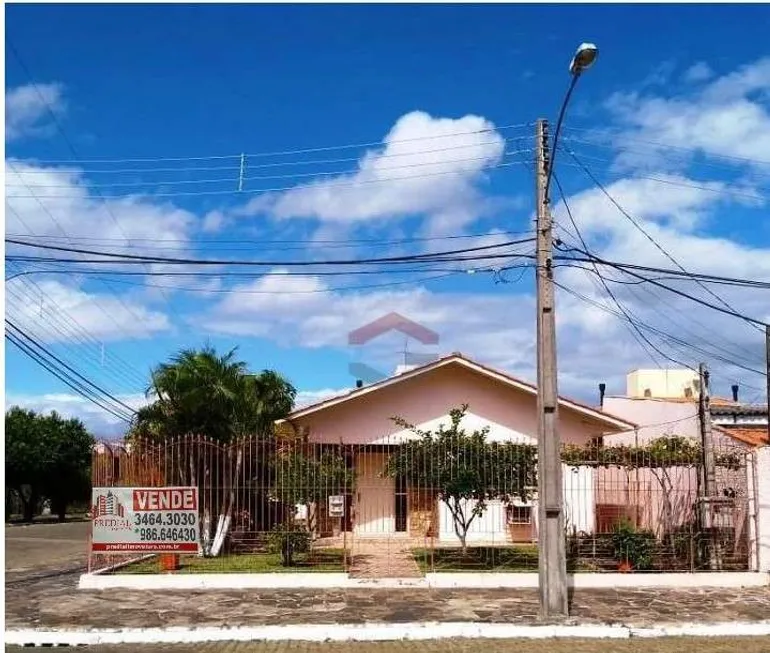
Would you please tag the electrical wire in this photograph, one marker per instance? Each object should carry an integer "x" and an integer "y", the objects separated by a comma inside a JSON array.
[
  {"x": 626, "y": 137},
  {"x": 71, "y": 147},
  {"x": 310, "y": 150},
  {"x": 69, "y": 376},
  {"x": 636, "y": 333},
  {"x": 644, "y": 231},
  {"x": 697, "y": 300},
  {"x": 320, "y": 176},
  {"x": 54, "y": 325},
  {"x": 64, "y": 378},
  {"x": 128, "y": 258},
  {"x": 667, "y": 337},
  {"x": 332, "y": 241},
  {"x": 345, "y": 185},
  {"x": 44, "y": 351}
]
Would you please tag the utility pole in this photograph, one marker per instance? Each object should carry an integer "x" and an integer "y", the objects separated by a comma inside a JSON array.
[
  {"x": 706, "y": 435},
  {"x": 709, "y": 502},
  {"x": 552, "y": 563},
  {"x": 767, "y": 377}
]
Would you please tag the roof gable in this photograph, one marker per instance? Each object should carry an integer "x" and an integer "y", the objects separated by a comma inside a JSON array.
[{"x": 610, "y": 421}]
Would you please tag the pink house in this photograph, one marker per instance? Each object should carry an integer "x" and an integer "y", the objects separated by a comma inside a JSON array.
[{"x": 381, "y": 506}]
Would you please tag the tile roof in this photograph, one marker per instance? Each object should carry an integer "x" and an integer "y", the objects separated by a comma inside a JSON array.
[
  {"x": 755, "y": 436},
  {"x": 456, "y": 357}
]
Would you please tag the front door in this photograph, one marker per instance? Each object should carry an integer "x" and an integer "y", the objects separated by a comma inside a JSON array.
[{"x": 375, "y": 496}]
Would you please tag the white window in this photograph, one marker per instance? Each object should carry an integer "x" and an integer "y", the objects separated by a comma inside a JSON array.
[{"x": 519, "y": 515}]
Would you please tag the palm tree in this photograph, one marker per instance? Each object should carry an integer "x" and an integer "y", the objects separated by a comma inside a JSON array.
[
  {"x": 203, "y": 393},
  {"x": 200, "y": 392}
]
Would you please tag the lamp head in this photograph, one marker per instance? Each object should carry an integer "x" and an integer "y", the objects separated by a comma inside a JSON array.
[{"x": 584, "y": 57}]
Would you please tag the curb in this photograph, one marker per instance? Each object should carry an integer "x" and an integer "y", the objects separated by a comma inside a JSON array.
[
  {"x": 100, "y": 580},
  {"x": 374, "y": 632}
]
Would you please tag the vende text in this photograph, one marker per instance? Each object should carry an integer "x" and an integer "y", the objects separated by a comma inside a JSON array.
[{"x": 164, "y": 499}]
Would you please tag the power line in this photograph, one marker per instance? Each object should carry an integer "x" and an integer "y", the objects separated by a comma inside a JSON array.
[
  {"x": 331, "y": 183},
  {"x": 63, "y": 133},
  {"x": 643, "y": 230},
  {"x": 278, "y": 164},
  {"x": 59, "y": 322},
  {"x": 64, "y": 378},
  {"x": 51, "y": 301},
  {"x": 262, "y": 241},
  {"x": 310, "y": 150},
  {"x": 666, "y": 337},
  {"x": 294, "y": 175},
  {"x": 626, "y": 137},
  {"x": 68, "y": 375},
  {"x": 128, "y": 258},
  {"x": 623, "y": 148},
  {"x": 697, "y": 300},
  {"x": 636, "y": 333},
  {"x": 44, "y": 351}
]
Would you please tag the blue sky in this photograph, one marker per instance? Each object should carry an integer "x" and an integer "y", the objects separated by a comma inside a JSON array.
[{"x": 148, "y": 96}]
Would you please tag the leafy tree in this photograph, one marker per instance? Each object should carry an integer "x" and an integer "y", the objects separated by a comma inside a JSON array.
[
  {"x": 463, "y": 467},
  {"x": 47, "y": 456},
  {"x": 204, "y": 393},
  {"x": 302, "y": 475},
  {"x": 200, "y": 392}
]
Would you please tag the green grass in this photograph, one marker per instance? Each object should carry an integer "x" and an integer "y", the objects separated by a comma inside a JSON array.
[
  {"x": 322, "y": 560},
  {"x": 521, "y": 558},
  {"x": 478, "y": 558}
]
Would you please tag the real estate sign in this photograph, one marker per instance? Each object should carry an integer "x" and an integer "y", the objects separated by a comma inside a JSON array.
[{"x": 145, "y": 520}]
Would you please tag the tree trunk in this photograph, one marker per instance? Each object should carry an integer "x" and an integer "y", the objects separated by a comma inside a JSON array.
[
  {"x": 59, "y": 508},
  {"x": 28, "y": 509},
  {"x": 28, "y": 503},
  {"x": 223, "y": 525}
]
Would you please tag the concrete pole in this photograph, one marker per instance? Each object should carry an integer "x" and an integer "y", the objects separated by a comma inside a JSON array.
[{"x": 552, "y": 564}]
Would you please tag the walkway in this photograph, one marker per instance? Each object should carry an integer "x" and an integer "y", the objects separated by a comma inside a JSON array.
[{"x": 387, "y": 558}]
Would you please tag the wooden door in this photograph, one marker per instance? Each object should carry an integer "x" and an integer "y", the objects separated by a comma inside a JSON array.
[{"x": 375, "y": 496}]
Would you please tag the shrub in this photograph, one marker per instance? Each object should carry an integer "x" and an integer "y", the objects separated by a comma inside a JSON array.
[
  {"x": 633, "y": 546},
  {"x": 287, "y": 539}
]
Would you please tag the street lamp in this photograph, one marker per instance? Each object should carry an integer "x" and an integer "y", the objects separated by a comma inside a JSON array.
[
  {"x": 584, "y": 58},
  {"x": 552, "y": 564}
]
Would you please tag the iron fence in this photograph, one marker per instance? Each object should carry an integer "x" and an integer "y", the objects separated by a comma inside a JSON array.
[{"x": 407, "y": 506}]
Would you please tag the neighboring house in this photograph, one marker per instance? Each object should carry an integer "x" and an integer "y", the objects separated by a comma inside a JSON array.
[
  {"x": 745, "y": 423},
  {"x": 423, "y": 396},
  {"x": 666, "y": 403}
]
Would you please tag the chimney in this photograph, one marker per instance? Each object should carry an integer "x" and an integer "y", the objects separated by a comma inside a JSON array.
[
  {"x": 359, "y": 383},
  {"x": 602, "y": 389},
  {"x": 735, "y": 389}
]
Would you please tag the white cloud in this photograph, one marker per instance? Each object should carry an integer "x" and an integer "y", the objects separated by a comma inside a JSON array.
[
  {"x": 101, "y": 424},
  {"x": 28, "y": 110},
  {"x": 431, "y": 167},
  {"x": 699, "y": 72},
  {"x": 726, "y": 117},
  {"x": 52, "y": 311},
  {"x": 494, "y": 328},
  {"x": 54, "y": 201},
  {"x": 309, "y": 397}
]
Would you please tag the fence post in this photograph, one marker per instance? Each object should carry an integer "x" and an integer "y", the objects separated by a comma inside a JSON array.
[{"x": 763, "y": 509}]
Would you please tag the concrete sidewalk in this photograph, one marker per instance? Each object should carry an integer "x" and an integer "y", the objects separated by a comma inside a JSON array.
[{"x": 55, "y": 603}]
